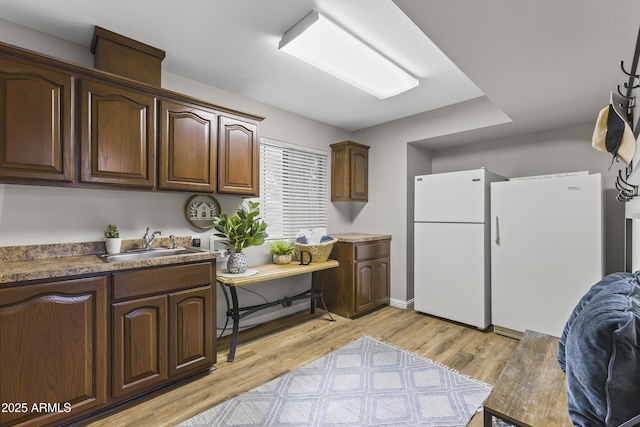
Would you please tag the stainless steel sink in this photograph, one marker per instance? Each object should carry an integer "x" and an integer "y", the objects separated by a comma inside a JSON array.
[{"x": 137, "y": 254}]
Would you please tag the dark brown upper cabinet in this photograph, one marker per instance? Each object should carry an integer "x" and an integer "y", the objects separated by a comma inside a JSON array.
[
  {"x": 188, "y": 147},
  {"x": 36, "y": 123},
  {"x": 126, "y": 57},
  {"x": 64, "y": 124},
  {"x": 349, "y": 172},
  {"x": 238, "y": 157},
  {"x": 117, "y": 135}
]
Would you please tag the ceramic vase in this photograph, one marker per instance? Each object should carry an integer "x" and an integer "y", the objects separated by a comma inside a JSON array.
[
  {"x": 113, "y": 245},
  {"x": 237, "y": 263},
  {"x": 282, "y": 259}
]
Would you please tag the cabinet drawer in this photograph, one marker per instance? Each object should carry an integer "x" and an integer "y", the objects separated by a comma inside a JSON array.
[
  {"x": 372, "y": 250},
  {"x": 160, "y": 280}
]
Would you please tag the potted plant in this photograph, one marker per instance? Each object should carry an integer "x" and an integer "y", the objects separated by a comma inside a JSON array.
[
  {"x": 282, "y": 251},
  {"x": 240, "y": 231},
  {"x": 112, "y": 239}
]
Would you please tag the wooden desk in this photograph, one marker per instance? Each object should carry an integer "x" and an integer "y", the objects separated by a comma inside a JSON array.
[
  {"x": 531, "y": 390},
  {"x": 265, "y": 273}
]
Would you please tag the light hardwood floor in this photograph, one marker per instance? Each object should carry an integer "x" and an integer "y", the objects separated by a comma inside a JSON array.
[{"x": 282, "y": 345}]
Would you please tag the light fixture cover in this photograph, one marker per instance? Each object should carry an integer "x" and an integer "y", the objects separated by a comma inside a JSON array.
[{"x": 322, "y": 43}]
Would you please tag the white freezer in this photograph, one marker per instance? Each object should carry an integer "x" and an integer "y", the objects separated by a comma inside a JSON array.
[
  {"x": 546, "y": 249},
  {"x": 451, "y": 272}
]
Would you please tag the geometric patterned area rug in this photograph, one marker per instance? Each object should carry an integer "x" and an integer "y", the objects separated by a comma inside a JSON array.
[{"x": 365, "y": 383}]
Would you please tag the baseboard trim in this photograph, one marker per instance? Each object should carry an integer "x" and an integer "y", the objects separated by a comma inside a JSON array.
[
  {"x": 511, "y": 333},
  {"x": 405, "y": 305}
]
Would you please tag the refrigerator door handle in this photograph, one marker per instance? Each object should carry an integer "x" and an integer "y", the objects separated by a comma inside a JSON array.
[{"x": 496, "y": 232}]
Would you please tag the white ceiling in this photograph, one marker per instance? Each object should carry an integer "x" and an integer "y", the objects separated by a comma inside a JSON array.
[{"x": 546, "y": 64}]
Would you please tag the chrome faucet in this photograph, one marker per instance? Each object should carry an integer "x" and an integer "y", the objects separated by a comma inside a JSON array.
[
  {"x": 174, "y": 244},
  {"x": 148, "y": 240}
]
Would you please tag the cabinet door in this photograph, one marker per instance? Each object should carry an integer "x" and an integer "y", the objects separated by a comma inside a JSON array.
[
  {"x": 382, "y": 279},
  {"x": 187, "y": 147},
  {"x": 349, "y": 172},
  {"x": 238, "y": 157},
  {"x": 359, "y": 182},
  {"x": 365, "y": 285},
  {"x": 139, "y": 344},
  {"x": 339, "y": 174},
  {"x": 191, "y": 330},
  {"x": 372, "y": 283},
  {"x": 117, "y": 130},
  {"x": 36, "y": 123},
  {"x": 53, "y": 349}
]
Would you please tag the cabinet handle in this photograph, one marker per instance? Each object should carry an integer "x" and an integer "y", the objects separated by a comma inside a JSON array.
[{"x": 496, "y": 232}]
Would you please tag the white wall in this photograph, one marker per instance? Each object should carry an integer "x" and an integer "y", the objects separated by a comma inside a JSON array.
[
  {"x": 419, "y": 162},
  {"x": 26, "y": 38}
]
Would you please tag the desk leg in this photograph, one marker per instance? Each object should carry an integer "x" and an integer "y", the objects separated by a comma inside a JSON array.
[
  {"x": 314, "y": 290},
  {"x": 235, "y": 311}
]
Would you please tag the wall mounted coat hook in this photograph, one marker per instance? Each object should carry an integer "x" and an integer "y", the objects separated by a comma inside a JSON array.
[
  {"x": 630, "y": 98},
  {"x": 628, "y": 73}
]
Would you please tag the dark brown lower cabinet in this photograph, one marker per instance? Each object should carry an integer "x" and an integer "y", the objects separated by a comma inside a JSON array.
[
  {"x": 372, "y": 284},
  {"x": 362, "y": 280},
  {"x": 163, "y": 328},
  {"x": 55, "y": 341},
  {"x": 139, "y": 345},
  {"x": 191, "y": 334},
  {"x": 53, "y": 350}
]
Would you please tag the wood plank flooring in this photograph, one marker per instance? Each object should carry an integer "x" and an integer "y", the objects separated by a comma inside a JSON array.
[{"x": 277, "y": 347}]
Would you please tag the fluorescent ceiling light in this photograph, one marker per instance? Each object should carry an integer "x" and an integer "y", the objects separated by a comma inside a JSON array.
[{"x": 325, "y": 45}]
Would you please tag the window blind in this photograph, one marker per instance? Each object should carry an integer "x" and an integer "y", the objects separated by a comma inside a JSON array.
[{"x": 293, "y": 188}]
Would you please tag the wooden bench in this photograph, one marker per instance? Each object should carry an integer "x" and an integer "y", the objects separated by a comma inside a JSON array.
[{"x": 531, "y": 389}]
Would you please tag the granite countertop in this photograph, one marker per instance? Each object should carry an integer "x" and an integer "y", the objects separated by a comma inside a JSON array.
[
  {"x": 23, "y": 263},
  {"x": 360, "y": 237}
]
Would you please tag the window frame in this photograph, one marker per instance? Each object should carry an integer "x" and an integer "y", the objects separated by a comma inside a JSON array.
[{"x": 294, "y": 188}]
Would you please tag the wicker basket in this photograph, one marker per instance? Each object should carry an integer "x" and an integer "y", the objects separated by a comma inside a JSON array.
[{"x": 319, "y": 252}]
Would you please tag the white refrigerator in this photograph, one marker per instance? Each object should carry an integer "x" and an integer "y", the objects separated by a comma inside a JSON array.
[
  {"x": 451, "y": 246},
  {"x": 546, "y": 249}
]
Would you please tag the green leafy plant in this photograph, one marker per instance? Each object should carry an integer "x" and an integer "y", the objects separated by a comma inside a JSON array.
[
  {"x": 111, "y": 232},
  {"x": 281, "y": 247},
  {"x": 243, "y": 229}
]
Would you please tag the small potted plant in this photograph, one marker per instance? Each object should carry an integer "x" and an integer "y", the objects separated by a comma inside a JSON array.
[
  {"x": 112, "y": 239},
  {"x": 282, "y": 251},
  {"x": 240, "y": 231}
]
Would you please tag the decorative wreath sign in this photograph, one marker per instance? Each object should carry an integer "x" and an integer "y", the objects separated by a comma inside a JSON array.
[{"x": 200, "y": 211}]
